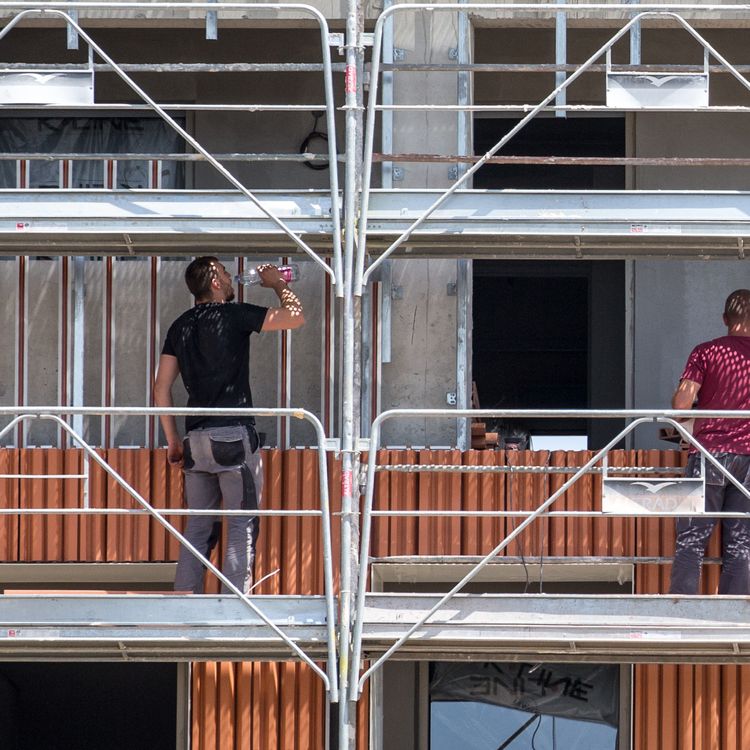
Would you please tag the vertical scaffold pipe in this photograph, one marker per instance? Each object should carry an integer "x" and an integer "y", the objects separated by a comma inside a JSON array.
[{"x": 347, "y": 716}]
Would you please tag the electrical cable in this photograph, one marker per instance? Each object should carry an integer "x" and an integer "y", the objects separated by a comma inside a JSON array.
[
  {"x": 533, "y": 736},
  {"x": 314, "y": 135}
]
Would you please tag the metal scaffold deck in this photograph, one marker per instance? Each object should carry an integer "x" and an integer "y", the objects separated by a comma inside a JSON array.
[
  {"x": 564, "y": 223},
  {"x": 158, "y": 627},
  {"x": 601, "y": 628},
  {"x": 489, "y": 223},
  {"x": 157, "y": 221}
]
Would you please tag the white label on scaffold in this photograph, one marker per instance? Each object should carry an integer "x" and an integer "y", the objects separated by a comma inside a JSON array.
[{"x": 652, "y": 496}]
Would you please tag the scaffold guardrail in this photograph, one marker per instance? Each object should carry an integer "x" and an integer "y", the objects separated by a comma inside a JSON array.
[
  {"x": 555, "y": 98},
  {"x": 67, "y": 12},
  {"x": 57, "y": 414},
  {"x": 635, "y": 418}
]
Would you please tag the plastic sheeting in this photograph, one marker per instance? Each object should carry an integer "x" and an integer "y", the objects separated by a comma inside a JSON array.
[
  {"x": 95, "y": 135},
  {"x": 585, "y": 692}
]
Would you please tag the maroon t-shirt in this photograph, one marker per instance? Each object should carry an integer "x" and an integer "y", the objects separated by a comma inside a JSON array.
[{"x": 722, "y": 367}]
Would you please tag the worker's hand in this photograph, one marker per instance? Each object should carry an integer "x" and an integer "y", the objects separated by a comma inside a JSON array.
[
  {"x": 270, "y": 276},
  {"x": 174, "y": 452}
]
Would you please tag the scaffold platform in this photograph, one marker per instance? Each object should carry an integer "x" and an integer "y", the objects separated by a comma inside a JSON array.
[
  {"x": 594, "y": 628},
  {"x": 510, "y": 223},
  {"x": 163, "y": 627},
  {"x": 157, "y": 627}
]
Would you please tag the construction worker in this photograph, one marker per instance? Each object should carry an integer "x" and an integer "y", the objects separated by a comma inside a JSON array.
[
  {"x": 209, "y": 346},
  {"x": 717, "y": 376}
]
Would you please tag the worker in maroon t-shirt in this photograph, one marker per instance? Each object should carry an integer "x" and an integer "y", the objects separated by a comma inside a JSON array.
[{"x": 717, "y": 376}]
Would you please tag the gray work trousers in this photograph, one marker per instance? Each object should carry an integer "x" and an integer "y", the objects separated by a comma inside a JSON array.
[
  {"x": 693, "y": 533},
  {"x": 220, "y": 464}
]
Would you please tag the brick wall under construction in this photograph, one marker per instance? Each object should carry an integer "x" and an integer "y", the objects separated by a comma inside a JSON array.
[{"x": 282, "y": 706}]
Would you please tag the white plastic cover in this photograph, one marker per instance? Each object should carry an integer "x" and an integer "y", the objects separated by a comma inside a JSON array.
[
  {"x": 657, "y": 90},
  {"x": 39, "y": 87}
]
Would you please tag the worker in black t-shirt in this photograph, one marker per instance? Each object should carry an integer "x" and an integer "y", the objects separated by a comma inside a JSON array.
[{"x": 209, "y": 345}]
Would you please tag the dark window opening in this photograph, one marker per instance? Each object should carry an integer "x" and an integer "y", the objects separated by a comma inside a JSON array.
[
  {"x": 531, "y": 342},
  {"x": 550, "y": 335},
  {"x": 552, "y": 136},
  {"x": 61, "y": 706}
]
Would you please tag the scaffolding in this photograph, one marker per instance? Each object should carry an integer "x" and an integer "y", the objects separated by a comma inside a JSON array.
[
  {"x": 351, "y": 234},
  {"x": 163, "y": 625}
]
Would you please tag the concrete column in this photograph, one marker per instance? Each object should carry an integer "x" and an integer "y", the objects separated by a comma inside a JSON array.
[{"x": 423, "y": 368}]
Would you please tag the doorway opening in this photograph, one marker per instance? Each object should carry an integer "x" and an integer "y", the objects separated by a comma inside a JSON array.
[{"x": 550, "y": 335}]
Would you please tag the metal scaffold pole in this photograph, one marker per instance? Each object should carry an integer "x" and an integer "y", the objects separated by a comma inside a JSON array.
[{"x": 351, "y": 328}]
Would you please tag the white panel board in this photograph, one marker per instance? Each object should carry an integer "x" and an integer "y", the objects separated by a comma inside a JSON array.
[
  {"x": 46, "y": 87},
  {"x": 653, "y": 496},
  {"x": 657, "y": 90}
]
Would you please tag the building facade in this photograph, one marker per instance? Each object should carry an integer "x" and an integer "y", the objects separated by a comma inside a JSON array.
[{"x": 512, "y": 207}]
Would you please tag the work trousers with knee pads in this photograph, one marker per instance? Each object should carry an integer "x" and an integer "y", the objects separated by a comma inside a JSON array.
[{"x": 221, "y": 464}]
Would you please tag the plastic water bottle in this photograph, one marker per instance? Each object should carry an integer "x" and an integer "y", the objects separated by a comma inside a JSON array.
[{"x": 251, "y": 276}]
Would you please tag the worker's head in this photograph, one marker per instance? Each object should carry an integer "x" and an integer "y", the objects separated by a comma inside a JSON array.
[
  {"x": 737, "y": 310},
  {"x": 208, "y": 280}
]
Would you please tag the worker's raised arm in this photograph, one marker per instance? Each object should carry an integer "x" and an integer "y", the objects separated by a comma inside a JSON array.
[
  {"x": 289, "y": 314},
  {"x": 166, "y": 374}
]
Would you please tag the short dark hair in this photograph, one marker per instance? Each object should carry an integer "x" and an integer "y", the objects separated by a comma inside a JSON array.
[
  {"x": 199, "y": 275},
  {"x": 737, "y": 306}
]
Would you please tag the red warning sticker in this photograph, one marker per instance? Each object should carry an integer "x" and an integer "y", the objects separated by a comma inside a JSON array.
[
  {"x": 346, "y": 483},
  {"x": 350, "y": 80}
]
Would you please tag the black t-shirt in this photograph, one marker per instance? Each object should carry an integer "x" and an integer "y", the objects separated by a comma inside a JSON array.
[{"x": 212, "y": 344}]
